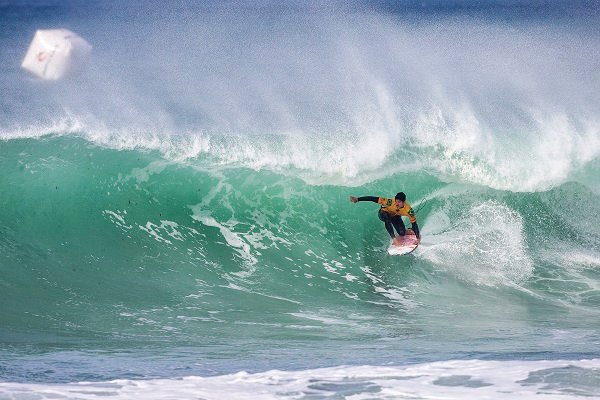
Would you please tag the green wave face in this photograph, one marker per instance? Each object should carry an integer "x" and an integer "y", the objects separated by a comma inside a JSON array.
[{"x": 126, "y": 247}]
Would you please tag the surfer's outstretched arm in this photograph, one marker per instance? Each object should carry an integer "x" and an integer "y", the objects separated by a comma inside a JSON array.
[{"x": 364, "y": 198}]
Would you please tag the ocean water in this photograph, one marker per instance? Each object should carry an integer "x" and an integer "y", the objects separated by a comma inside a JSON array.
[{"x": 175, "y": 218}]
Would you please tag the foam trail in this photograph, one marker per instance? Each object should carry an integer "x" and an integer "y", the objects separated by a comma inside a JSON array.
[{"x": 483, "y": 244}]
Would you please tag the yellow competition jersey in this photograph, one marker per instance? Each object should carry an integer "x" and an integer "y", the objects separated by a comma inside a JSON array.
[{"x": 389, "y": 206}]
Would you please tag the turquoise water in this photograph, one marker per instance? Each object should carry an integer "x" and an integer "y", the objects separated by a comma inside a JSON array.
[
  {"x": 181, "y": 207},
  {"x": 132, "y": 257}
]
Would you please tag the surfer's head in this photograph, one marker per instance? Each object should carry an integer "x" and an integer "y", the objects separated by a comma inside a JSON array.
[{"x": 400, "y": 199}]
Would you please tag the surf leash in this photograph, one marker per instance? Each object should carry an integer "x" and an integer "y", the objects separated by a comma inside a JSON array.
[{"x": 421, "y": 205}]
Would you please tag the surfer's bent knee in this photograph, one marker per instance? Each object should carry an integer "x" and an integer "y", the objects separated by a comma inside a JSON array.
[{"x": 383, "y": 216}]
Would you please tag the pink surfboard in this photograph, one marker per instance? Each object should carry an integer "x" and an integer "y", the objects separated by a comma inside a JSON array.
[{"x": 408, "y": 243}]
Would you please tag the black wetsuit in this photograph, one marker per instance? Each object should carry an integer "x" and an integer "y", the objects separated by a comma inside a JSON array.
[{"x": 391, "y": 215}]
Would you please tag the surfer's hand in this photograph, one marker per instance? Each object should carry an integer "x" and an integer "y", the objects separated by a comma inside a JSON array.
[{"x": 353, "y": 199}]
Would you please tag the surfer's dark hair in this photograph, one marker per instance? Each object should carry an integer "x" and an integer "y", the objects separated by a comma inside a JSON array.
[{"x": 401, "y": 196}]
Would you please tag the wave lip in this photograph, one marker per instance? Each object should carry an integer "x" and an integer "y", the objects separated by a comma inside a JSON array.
[{"x": 337, "y": 97}]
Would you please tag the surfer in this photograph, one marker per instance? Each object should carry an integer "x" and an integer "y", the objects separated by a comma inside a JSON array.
[{"x": 391, "y": 213}]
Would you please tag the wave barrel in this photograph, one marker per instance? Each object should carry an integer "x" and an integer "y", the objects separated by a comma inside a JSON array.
[{"x": 54, "y": 53}]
